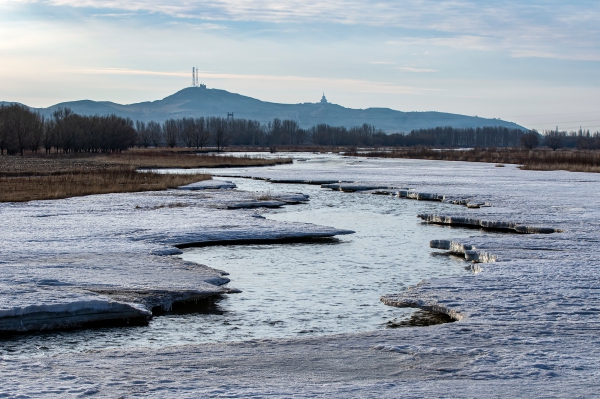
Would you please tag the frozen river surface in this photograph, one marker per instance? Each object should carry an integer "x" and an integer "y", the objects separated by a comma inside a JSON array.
[
  {"x": 324, "y": 288},
  {"x": 529, "y": 323},
  {"x": 291, "y": 290}
]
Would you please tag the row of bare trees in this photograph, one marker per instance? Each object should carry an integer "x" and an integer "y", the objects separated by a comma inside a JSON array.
[
  {"x": 191, "y": 132},
  {"x": 22, "y": 129},
  {"x": 582, "y": 140},
  {"x": 221, "y": 132}
]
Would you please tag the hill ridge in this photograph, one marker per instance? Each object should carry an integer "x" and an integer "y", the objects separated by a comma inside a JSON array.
[{"x": 197, "y": 102}]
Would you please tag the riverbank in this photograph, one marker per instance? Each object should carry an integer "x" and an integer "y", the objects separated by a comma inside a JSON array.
[
  {"x": 55, "y": 176},
  {"x": 79, "y": 182},
  {"x": 535, "y": 159}
]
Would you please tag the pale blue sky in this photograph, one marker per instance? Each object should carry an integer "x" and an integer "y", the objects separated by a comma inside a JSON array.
[{"x": 536, "y": 63}]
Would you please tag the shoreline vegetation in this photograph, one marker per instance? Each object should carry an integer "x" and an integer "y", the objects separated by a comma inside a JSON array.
[
  {"x": 58, "y": 176},
  {"x": 529, "y": 159},
  {"x": 79, "y": 182}
]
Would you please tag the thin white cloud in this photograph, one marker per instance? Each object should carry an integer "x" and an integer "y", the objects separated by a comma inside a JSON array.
[
  {"x": 536, "y": 53},
  {"x": 125, "y": 71},
  {"x": 416, "y": 70},
  {"x": 556, "y": 28},
  {"x": 468, "y": 42},
  {"x": 366, "y": 86}
]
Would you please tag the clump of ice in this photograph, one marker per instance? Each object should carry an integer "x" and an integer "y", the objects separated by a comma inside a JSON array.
[
  {"x": 209, "y": 185},
  {"x": 486, "y": 224}
]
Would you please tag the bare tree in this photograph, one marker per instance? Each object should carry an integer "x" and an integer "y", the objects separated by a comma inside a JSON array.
[
  {"x": 220, "y": 134},
  {"x": 553, "y": 140},
  {"x": 49, "y": 136},
  {"x": 155, "y": 133},
  {"x": 23, "y": 125},
  {"x": 201, "y": 133},
  {"x": 4, "y": 133},
  {"x": 64, "y": 132},
  {"x": 221, "y": 138},
  {"x": 289, "y": 129},
  {"x": 171, "y": 129},
  {"x": 275, "y": 131},
  {"x": 530, "y": 140},
  {"x": 144, "y": 138},
  {"x": 257, "y": 132},
  {"x": 187, "y": 131},
  {"x": 38, "y": 127}
]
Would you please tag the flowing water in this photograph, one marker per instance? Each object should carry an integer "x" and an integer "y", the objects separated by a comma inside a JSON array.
[{"x": 292, "y": 290}]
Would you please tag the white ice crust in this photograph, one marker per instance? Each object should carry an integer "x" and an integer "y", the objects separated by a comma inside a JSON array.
[
  {"x": 92, "y": 253},
  {"x": 213, "y": 184},
  {"x": 529, "y": 322}
]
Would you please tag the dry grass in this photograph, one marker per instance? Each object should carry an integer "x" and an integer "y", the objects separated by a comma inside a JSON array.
[
  {"x": 159, "y": 158},
  {"x": 537, "y": 159},
  {"x": 263, "y": 196},
  {"x": 562, "y": 166},
  {"x": 78, "y": 182},
  {"x": 38, "y": 177},
  {"x": 35, "y": 165}
]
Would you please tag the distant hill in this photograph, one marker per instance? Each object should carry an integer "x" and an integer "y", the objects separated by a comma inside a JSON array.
[{"x": 196, "y": 102}]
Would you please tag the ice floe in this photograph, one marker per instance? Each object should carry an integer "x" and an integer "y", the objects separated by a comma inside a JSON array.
[
  {"x": 357, "y": 186},
  {"x": 70, "y": 262},
  {"x": 487, "y": 224},
  {"x": 213, "y": 184}
]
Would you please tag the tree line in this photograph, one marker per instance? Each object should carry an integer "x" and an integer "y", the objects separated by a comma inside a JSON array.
[
  {"x": 22, "y": 129},
  {"x": 490, "y": 136},
  {"x": 64, "y": 131},
  {"x": 221, "y": 132},
  {"x": 581, "y": 139}
]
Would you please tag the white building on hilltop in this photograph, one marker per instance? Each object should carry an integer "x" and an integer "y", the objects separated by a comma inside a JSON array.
[{"x": 324, "y": 99}]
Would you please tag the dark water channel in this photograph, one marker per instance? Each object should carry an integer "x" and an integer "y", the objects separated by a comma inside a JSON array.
[{"x": 292, "y": 290}]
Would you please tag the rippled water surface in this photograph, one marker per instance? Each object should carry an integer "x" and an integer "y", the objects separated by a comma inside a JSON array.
[{"x": 292, "y": 290}]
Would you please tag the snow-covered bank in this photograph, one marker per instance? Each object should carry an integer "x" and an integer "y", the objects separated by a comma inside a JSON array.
[
  {"x": 529, "y": 327},
  {"x": 71, "y": 262}
]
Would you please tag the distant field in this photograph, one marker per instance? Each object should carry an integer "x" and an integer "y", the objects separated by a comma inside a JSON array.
[
  {"x": 536, "y": 159},
  {"x": 180, "y": 158},
  {"x": 40, "y": 177},
  {"x": 78, "y": 182}
]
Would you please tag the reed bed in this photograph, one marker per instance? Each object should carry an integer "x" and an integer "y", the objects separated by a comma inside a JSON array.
[
  {"x": 536, "y": 159},
  {"x": 154, "y": 159},
  {"x": 562, "y": 166},
  {"x": 78, "y": 182}
]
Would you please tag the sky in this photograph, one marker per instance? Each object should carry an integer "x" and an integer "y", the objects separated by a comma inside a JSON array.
[{"x": 536, "y": 63}]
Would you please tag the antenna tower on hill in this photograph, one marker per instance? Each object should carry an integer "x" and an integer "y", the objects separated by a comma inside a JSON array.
[{"x": 195, "y": 78}]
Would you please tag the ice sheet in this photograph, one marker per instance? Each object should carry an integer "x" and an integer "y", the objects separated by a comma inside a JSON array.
[
  {"x": 529, "y": 325},
  {"x": 88, "y": 252}
]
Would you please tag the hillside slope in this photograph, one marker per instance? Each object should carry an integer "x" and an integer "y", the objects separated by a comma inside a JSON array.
[{"x": 197, "y": 102}]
